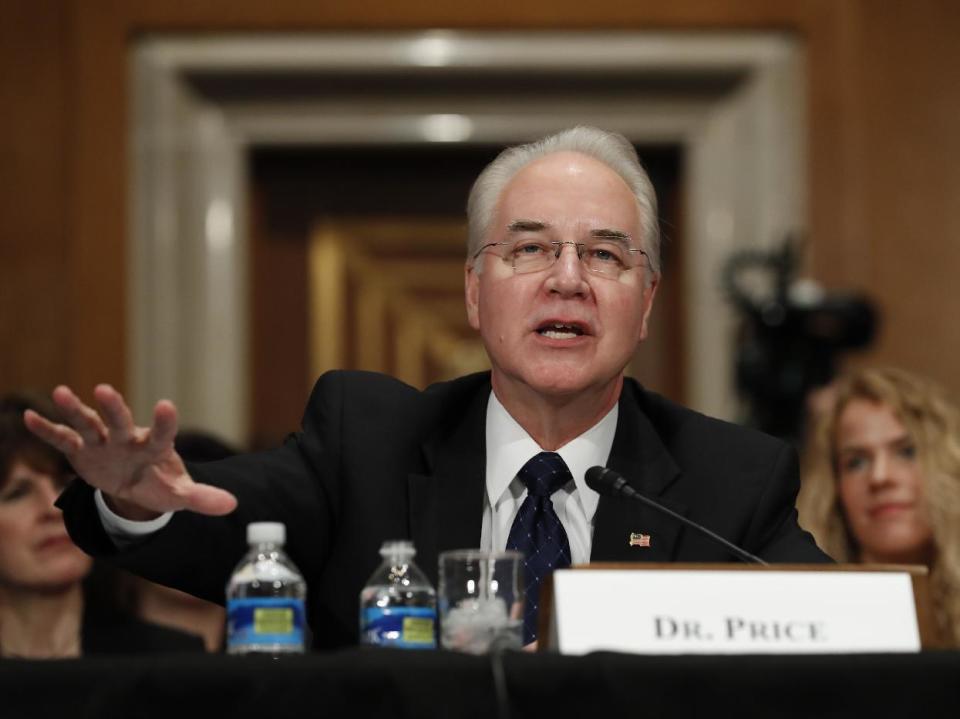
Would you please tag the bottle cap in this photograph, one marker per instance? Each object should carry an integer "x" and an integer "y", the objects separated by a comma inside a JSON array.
[
  {"x": 397, "y": 547},
  {"x": 266, "y": 532}
]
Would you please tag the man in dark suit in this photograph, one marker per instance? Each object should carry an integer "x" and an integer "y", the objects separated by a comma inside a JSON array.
[{"x": 561, "y": 275}]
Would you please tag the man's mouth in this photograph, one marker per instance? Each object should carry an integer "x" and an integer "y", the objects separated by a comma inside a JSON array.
[{"x": 560, "y": 330}]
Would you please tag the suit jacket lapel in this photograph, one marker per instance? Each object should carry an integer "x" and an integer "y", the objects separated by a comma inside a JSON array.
[
  {"x": 639, "y": 455},
  {"x": 446, "y": 502}
]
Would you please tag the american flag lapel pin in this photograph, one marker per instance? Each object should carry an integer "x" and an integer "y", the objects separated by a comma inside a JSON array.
[{"x": 639, "y": 540}]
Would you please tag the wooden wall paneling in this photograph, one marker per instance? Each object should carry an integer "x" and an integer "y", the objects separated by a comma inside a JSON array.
[
  {"x": 33, "y": 154},
  {"x": 99, "y": 201},
  {"x": 909, "y": 60},
  {"x": 833, "y": 251},
  {"x": 285, "y": 15}
]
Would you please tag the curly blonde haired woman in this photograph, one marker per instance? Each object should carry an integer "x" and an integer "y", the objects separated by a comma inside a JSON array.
[{"x": 881, "y": 481}]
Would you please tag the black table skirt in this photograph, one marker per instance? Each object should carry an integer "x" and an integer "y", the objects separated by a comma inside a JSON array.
[{"x": 382, "y": 683}]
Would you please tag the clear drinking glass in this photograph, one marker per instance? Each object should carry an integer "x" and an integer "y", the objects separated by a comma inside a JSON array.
[{"x": 480, "y": 599}]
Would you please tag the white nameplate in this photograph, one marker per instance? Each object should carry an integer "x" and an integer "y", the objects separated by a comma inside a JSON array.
[{"x": 730, "y": 612}]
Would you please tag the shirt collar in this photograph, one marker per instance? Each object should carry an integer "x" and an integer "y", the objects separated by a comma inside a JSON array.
[{"x": 509, "y": 447}]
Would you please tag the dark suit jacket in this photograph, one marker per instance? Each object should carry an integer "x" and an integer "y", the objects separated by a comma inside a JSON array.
[
  {"x": 377, "y": 459},
  {"x": 120, "y": 633},
  {"x": 111, "y": 626}
]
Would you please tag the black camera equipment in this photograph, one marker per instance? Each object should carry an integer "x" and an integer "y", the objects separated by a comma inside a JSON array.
[{"x": 790, "y": 336}]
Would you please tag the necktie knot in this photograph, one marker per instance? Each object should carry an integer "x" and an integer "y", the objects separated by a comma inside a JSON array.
[{"x": 544, "y": 474}]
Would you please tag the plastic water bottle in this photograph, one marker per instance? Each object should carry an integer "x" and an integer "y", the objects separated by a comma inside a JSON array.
[
  {"x": 266, "y": 597},
  {"x": 398, "y": 607}
]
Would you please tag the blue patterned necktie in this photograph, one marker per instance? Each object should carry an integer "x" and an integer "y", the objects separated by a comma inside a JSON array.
[{"x": 537, "y": 531}]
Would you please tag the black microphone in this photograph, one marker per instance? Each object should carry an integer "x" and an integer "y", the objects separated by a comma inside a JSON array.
[{"x": 607, "y": 482}]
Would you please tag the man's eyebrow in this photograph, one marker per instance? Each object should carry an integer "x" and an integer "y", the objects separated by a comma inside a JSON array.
[
  {"x": 605, "y": 233},
  {"x": 527, "y": 226}
]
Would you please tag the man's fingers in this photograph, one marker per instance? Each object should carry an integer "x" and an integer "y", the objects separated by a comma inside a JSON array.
[
  {"x": 59, "y": 436},
  {"x": 82, "y": 418},
  {"x": 164, "y": 424},
  {"x": 87, "y": 427},
  {"x": 207, "y": 499},
  {"x": 115, "y": 413}
]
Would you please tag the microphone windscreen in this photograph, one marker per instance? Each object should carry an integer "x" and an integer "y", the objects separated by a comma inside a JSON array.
[{"x": 601, "y": 480}]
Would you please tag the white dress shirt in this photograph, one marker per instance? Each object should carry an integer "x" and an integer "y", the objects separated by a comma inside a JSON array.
[{"x": 508, "y": 449}]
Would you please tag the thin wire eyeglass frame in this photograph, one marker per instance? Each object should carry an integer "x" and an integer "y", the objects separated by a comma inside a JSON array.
[{"x": 581, "y": 248}]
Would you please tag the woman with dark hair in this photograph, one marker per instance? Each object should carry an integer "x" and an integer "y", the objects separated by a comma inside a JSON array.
[
  {"x": 47, "y": 609},
  {"x": 881, "y": 481}
]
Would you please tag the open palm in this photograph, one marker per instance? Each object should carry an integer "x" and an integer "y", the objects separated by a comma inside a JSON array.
[{"x": 136, "y": 468}]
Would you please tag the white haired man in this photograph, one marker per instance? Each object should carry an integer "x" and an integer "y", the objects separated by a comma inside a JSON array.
[{"x": 561, "y": 275}]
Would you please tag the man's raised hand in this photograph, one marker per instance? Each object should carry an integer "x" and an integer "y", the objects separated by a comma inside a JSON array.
[{"x": 137, "y": 468}]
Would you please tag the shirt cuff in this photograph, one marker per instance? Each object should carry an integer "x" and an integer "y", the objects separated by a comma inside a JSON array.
[{"x": 126, "y": 531}]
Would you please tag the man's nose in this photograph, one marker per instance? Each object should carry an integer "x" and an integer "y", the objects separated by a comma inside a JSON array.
[{"x": 567, "y": 272}]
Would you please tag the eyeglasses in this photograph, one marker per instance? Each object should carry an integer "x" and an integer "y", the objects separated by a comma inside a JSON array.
[{"x": 607, "y": 257}]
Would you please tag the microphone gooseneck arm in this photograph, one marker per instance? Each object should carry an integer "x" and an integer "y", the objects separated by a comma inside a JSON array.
[{"x": 606, "y": 481}]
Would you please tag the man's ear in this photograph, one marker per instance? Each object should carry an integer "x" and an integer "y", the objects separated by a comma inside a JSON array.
[
  {"x": 649, "y": 292},
  {"x": 471, "y": 284}
]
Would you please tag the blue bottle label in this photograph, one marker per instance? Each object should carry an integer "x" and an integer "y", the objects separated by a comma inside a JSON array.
[
  {"x": 264, "y": 620},
  {"x": 400, "y": 627}
]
